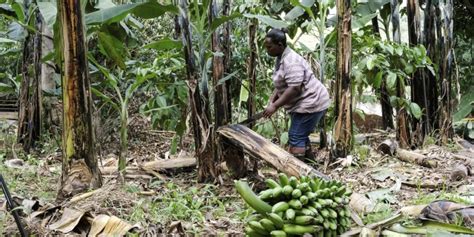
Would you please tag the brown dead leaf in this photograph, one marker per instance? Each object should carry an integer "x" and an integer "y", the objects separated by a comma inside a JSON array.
[
  {"x": 360, "y": 203},
  {"x": 176, "y": 227},
  {"x": 98, "y": 224},
  {"x": 68, "y": 221},
  {"x": 116, "y": 227},
  {"x": 448, "y": 212},
  {"x": 412, "y": 211}
]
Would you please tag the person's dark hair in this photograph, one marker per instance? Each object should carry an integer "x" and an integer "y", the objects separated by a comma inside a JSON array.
[{"x": 278, "y": 35}]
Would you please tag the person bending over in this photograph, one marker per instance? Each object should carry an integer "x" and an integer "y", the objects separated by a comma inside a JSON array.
[{"x": 296, "y": 89}]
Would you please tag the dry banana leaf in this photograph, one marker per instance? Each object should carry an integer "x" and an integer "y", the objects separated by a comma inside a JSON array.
[
  {"x": 98, "y": 224},
  {"x": 116, "y": 227},
  {"x": 449, "y": 212},
  {"x": 430, "y": 227},
  {"x": 413, "y": 211},
  {"x": 68, "y": 221}
]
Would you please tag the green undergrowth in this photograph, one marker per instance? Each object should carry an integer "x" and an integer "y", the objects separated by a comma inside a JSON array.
[
  {"x": 423, "y": 198},
  {"x": 194, "y": 205}
]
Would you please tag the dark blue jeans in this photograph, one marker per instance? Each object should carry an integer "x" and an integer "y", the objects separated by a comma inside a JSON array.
[{"x": 301, "y": 126}]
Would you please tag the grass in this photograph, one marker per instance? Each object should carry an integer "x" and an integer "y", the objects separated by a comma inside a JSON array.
[
  {"x": 32, "y": 180},
  {"x": 362, "y": 152},
  {"x": 187, "y": 204},
  {"x": 382, "y": 211},
  {"x": 429, "y": 198}
]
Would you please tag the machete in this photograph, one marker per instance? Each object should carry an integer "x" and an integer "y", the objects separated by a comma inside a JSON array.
[
  {"x": 252, "y": 119},
  {"x": 11, "y": 207}
]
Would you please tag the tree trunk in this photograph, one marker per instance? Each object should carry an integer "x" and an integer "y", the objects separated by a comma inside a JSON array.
[
  {"x": 220, "y": 93},
  {"x": 420, "y": 126},
  {"x": 431, "y": 88},
  {"x": 199, "y": 116},
  {"x": 47, "y": 82},
  {"x": 403, "y": 130},
  {"x": 80, "y": 170},
  {"x": 252, "y": 69},
  {"x": 29, "y": 114},
  {"x": 446, "y": 69},
  {"x": 375, "y": 26},
  {"x": 227, "y": 50},
  {"x": 343, "y": 105},
  {"x": 322, "y": 67},
  {"x": 234, "y": 159},
  {"x": 387, "y": 110},
  {"x": 258, "y": 147}
]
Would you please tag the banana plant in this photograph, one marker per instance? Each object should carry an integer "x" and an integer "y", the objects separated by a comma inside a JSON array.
[
  {"x": 392, "y": 62},
  {"x": 120, "y": 101}
]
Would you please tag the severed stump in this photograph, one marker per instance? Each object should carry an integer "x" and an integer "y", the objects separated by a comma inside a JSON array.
[
  {"x": 258, "y": 147},
  {"x": 390, "y": 147},
  {"x": 416, "y": 158}
]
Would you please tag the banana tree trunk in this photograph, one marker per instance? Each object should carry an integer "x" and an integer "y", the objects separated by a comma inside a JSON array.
[
  {"x": 375, "y": 26},
  {"x": 233, "y": 157},
  {"x": 322, "y": 64},
  {"x": 122, "y": 165},
  {"x": 80, "y": 171},
  {"x": 252, "y": 69},
  {"x": 30, "y": 107},
  {"x": 47, "y": 82},
  {"x": 445, "y": 29},
  {"x": 431, "y": 87},
  {"x": 200, "y": 119},
  {"x": 420, "y": 126},
  {"x": 220, "y": 103},
  {"x": 387, "y": 110},
  {"x": 227, "y": 50},
  {"x": 343, "y": 105},
  {"x": 403, "y": 130}
]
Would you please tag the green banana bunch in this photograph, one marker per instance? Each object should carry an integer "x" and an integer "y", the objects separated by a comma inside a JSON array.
[{"x": 293, "y": 207}]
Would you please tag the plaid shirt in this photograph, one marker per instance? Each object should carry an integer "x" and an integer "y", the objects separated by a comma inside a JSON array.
[{"x": 293, "y": 70}]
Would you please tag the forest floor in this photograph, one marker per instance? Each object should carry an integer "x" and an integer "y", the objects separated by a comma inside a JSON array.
[{"x": 172, "y": 201}]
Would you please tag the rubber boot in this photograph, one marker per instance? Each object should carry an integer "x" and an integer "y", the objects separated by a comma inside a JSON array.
[
  {"x": 298, "y": 152},
  {"x": 309, "y": 153}
]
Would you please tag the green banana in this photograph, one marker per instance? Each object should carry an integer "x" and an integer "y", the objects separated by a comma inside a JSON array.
[
  {"x": 304, "y": 199},
  {"x": 287, "y": 190},
  {"x": 283, "y": 179},
  {"x": 271, "y": 183},
  {"x": 267, "y": 224},
  {"x": 266, "y": 194},
  {"x": 255, "y": 225},
  {"x": 290, "y": 214},
  {"x": 296, "y": 193},
  {"x": 295, "y": 204},
  {"x": 303, "y": 220},
  {"x": 293, "y": 181},
  {"x": 299, "y": 229},
  {"x": 277, "y": 192},
  {"x": 251, "y": 232},
  {"x": 324, "y": 212},
  {"x": 251, "y": 199},
  {"x": 276, "y": 219},
  {"x": 278, "y": 233},
  {"x": 280, "y": 207}
]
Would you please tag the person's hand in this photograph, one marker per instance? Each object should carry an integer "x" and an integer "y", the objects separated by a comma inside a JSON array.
[{"x": 269, "y": 111}]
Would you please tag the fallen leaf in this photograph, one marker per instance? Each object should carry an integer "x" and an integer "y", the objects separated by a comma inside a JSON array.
[
  {"x": 412, "y": 211},
  {"x": 98, "y": 224},
  {"x": 360, "y": 203},
  {"x": 382, "y": 174},
  {"x": 366, "y": 232},
  {"x": 448, "y": 212},
  {"x": 116, "y": 227},
  {"x": 68, "y": 221},
  {"x": 15, "y": 163}
]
